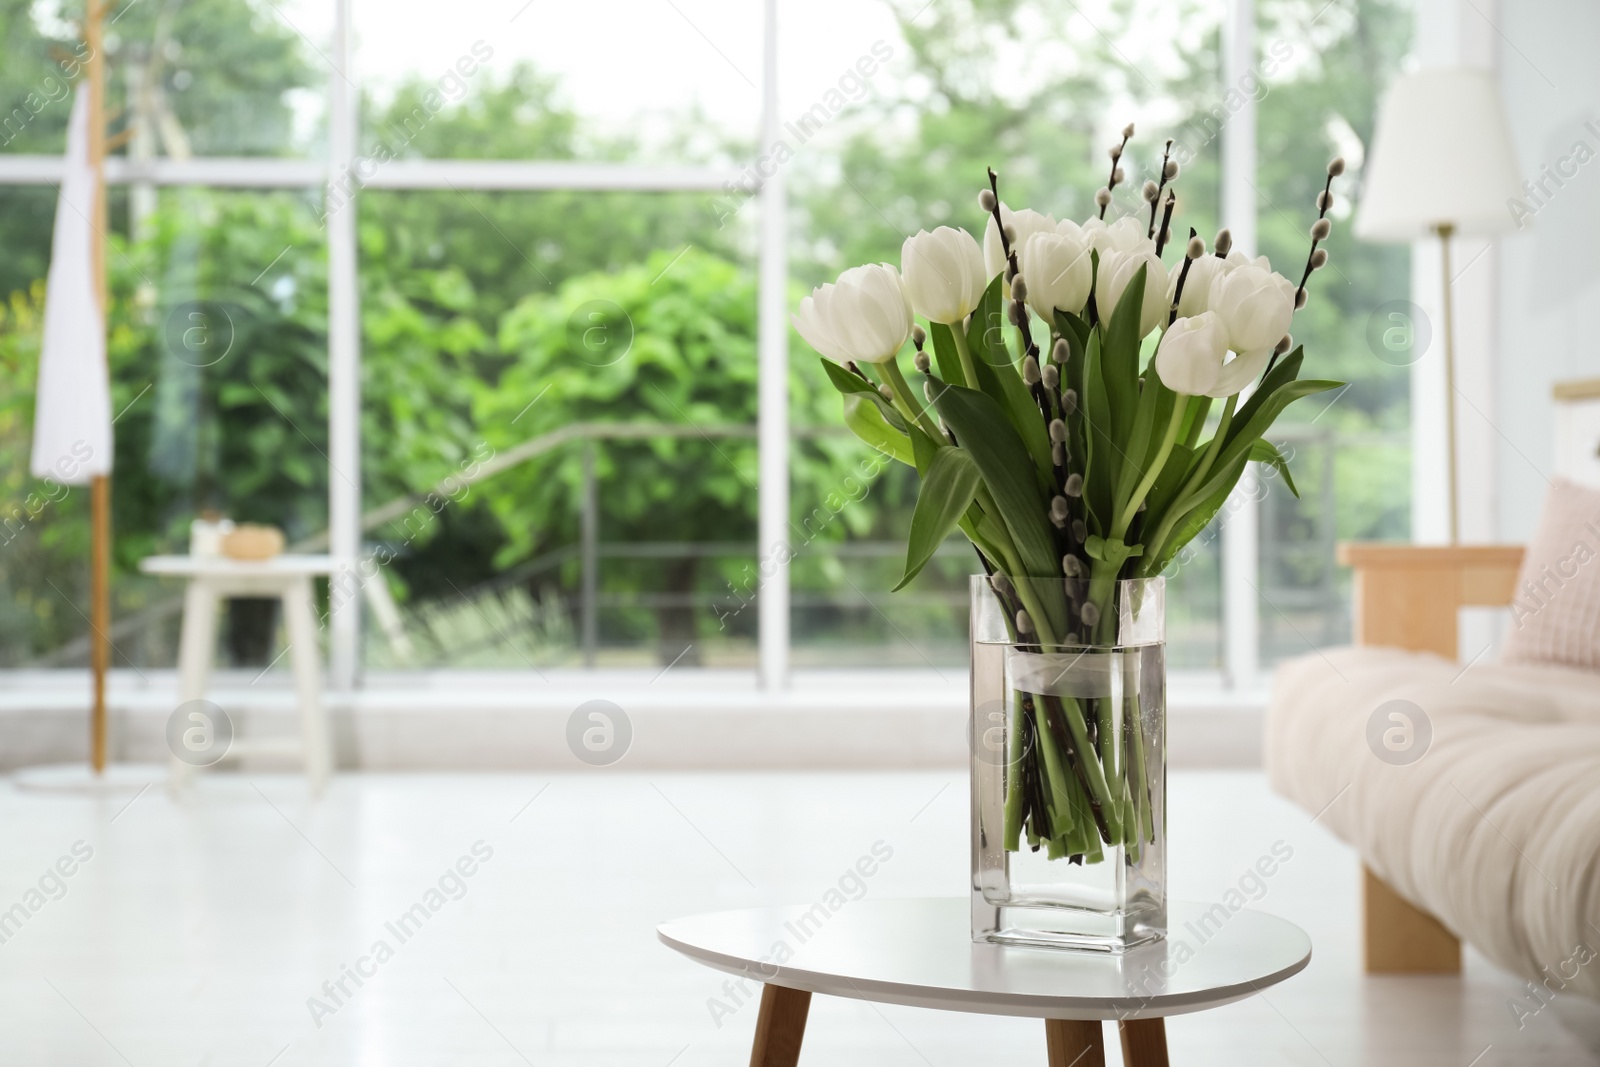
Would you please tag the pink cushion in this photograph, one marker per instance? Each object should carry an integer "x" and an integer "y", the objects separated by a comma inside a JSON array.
[{"x": 1555, "y": 617}]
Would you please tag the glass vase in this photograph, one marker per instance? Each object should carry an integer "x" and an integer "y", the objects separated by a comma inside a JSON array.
[{"x": 1069, "y": 766}]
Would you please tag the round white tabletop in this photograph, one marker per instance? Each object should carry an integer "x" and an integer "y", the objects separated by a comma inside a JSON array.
[{"x": 921, "y": 953}]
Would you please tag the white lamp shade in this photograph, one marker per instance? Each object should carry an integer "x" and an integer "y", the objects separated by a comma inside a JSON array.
[{"x": 1442, "y": 155}]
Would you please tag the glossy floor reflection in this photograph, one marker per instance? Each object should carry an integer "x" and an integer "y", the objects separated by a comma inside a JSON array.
[{"x": 244, "y": 925}]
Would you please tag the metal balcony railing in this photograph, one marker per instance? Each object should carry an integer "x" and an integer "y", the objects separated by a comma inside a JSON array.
[{"x": 1298, "y": 576}]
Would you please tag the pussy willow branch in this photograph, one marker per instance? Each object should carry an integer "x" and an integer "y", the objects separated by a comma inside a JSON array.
[
  {"x": 1166, "y": 221},
  {"x": 1183, "y": 276},
  {"x": 1324, "y": 202},
  {"x": 1150, "y": 232},
  {"x": 1111, "y": 179}
]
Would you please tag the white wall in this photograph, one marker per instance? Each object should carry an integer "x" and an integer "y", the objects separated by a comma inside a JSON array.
[{"x": 1549, "y": 299}]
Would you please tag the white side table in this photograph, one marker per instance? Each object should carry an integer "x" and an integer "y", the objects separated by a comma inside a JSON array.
[
  {"x": 921, "y": 953},
  {"x": 288, "y": 578}
]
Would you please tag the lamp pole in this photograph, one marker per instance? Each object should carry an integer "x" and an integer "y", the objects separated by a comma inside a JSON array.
[{"x": 1446, "y": 230}]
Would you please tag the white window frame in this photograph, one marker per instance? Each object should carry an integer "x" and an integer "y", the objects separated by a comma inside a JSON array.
[{"x": 1241, "y": 640}]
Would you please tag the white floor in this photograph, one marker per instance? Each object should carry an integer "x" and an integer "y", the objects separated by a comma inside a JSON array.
[{"x": 196, "y": 933}]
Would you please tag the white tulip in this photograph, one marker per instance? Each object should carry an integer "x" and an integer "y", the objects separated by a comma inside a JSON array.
[
  {"x": 1117, "y": 269},
  {"x": 1255, "y": 304},
  {"x": 943, "y": 273},
  {"x": 864, "y": 316},
  {"x": 1024, "y": 224},
  {"x": 1058, "y": 272},
  {"x": 1237, "y": 258},
  {"x": 1191, "y": 354},
  {"x": 815, "y": 328},
  {"x": 1072, "y": 229},
  {"x": 1197, "y": 287},
  {"x": 1240, "y": 371},
  {"x": 1126, "y": 234}
]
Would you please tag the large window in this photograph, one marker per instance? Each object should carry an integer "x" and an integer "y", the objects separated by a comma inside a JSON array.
[
  {"x": 1351, "y": 449},
  {"x": 496, "y": 315}
]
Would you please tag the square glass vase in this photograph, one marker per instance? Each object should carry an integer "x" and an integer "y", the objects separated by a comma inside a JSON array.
[{"x": 1069, "y": 767}]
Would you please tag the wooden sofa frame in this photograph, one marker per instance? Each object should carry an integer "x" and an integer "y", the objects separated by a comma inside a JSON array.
[{"x": 1410, "y": 596}]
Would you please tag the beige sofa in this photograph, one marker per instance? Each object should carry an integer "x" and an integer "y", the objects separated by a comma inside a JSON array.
[{"x": 1471, "y": 792}]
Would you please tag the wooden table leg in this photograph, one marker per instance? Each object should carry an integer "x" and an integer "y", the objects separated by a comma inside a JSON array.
[
  {"x": 1144, "y": 1042},
  {"x": 1075, "y": 1043},
  {"x": 780, "y": 1027}
]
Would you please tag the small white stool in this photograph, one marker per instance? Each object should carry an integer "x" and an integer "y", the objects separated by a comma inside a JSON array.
[{"x": 288, "y": 578}]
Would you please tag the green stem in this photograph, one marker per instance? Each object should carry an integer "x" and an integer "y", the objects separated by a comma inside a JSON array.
[
  {"x": 1181, "y": 503},
  {"x": 989, "y": 551},
  {"x": 908, "y": 402},
  {"x": 1093, "y": 781},
  {"x": 1152, "y": 471},
  {"x": 1215, "y": 445},
  {"x": 1132, "y": 688},
  {"x": 964, "y": 353},
  {"x": 1058, "y": 779},
  {"x": 1140, "y": 798},
  {"x": 1013, "y": 777},
  {"x": 1198, "y": 426},
  {"x": 1077, "y": 730}
]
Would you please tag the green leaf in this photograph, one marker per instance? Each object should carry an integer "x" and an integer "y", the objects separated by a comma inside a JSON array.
[
  {"x": 948, "y": 489},
  {"x": 867, "y": 422},
  {"x": 944, "y": 351},
  {"x": 999, "y": 378},
  {"x": 1150, "y": 421},
  {"x": 924, "y": 449},
  {"x": 1003, "y": 461},
  {"x": 853, "y": 385},
  {"x": 1264, "y": 451},
  {"x": 1198, "y": 518},
  {"x": 1168, "y": 482},
  {"x": 1286, "y": 371},
  {"x": 991, "y": 529},
  {"x": 1102, "y": 458},
  {"x": 1240, "y": 437},
  {"x": 844, "y": 381},
  {"x": 870, "y": 394},
  {"x": 1194, "y": 420},
  {"x": 1074, "y": 329},
  {"x": 1119, "y": 356}
]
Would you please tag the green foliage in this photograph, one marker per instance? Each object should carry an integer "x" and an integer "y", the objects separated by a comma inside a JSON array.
[
  {"x": 948, "y": 489},
  {"x": 225, "y": 68},
  {"x": 680, "y": 350},
  {"x": 670, "y": 340},
  {"x": 462, "y": 291},
  {"x": 1341, "y": 64},
  {"x": 988, "y": 88},
  {"x": 234, "y": 410},
  {"x": 39, "y": 524}
]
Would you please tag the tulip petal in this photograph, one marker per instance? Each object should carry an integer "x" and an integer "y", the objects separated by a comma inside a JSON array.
[
  {"x": 1239, "y": 372},
  {"x": 808, "y": 322},
  {"x": 1189, "y": 357},
  {"x": 935, "y": 268}
]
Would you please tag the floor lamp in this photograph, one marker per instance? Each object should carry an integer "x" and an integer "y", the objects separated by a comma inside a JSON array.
[{"x": 1441, "y": 165}]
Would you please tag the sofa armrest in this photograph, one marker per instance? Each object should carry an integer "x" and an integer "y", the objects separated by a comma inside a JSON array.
[{"x": 1409, "y": 596}]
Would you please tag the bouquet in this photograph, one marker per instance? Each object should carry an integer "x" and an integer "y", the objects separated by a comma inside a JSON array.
[{"x": 1064, "y": 427}]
